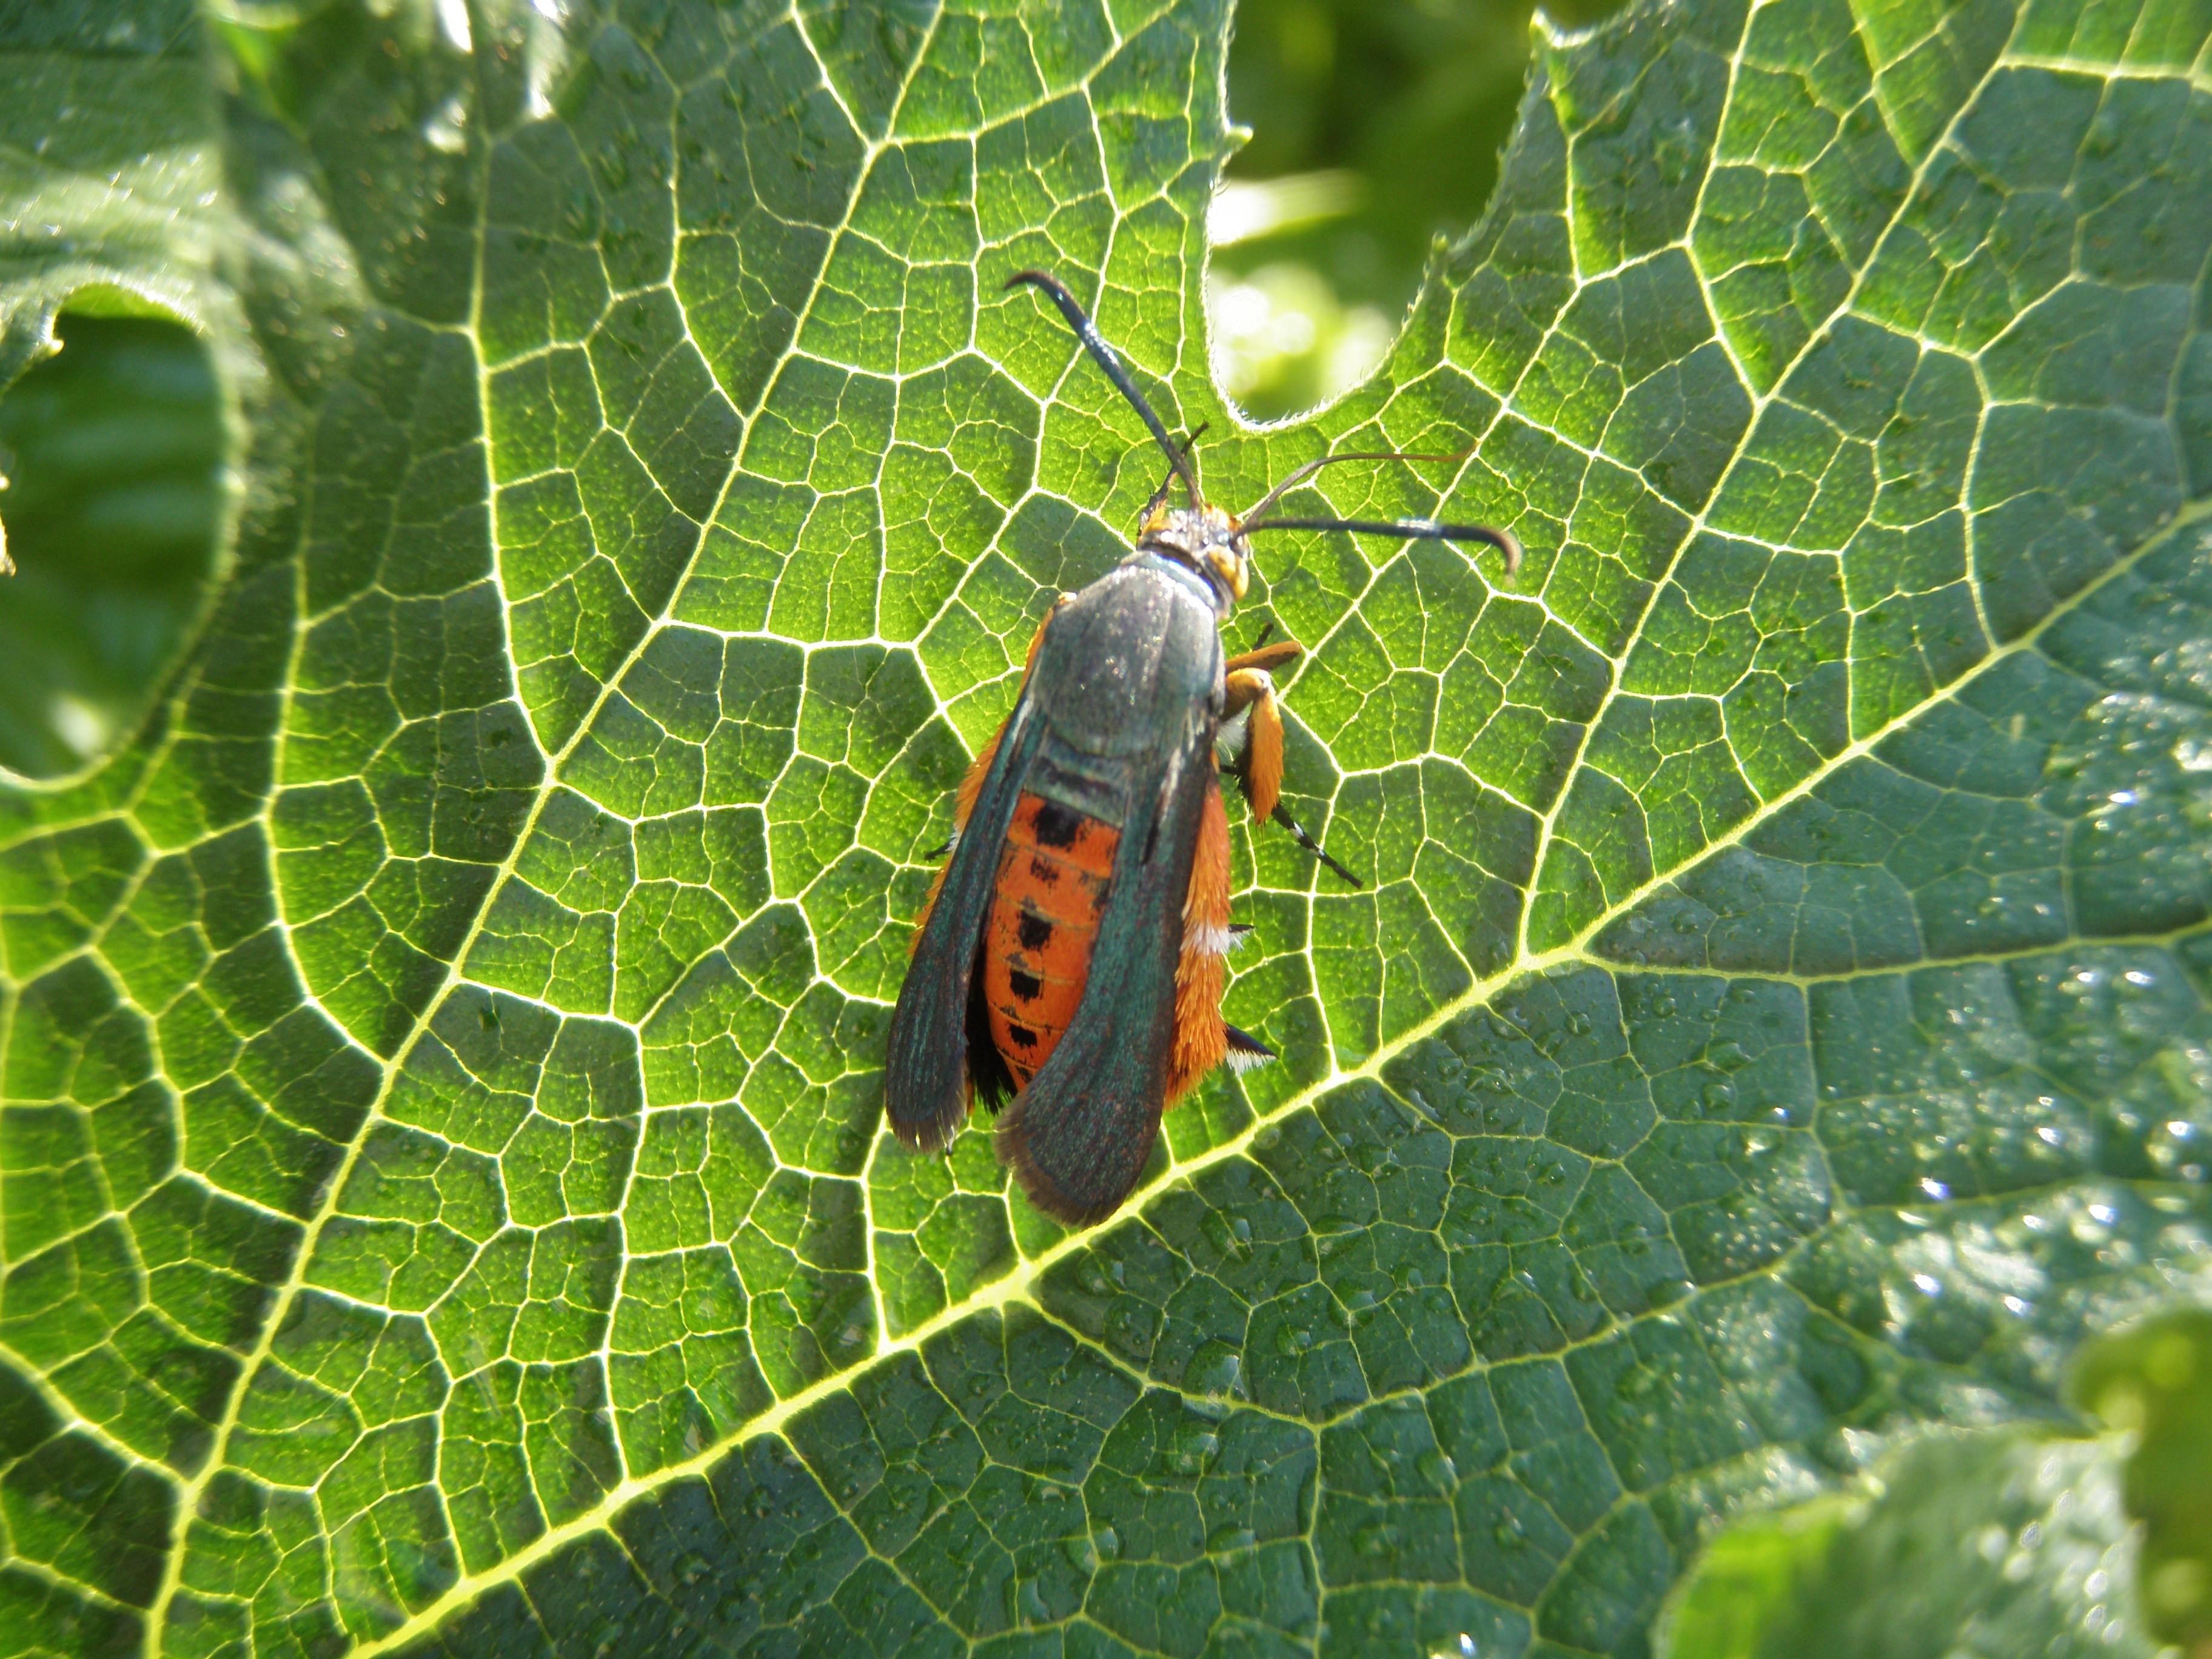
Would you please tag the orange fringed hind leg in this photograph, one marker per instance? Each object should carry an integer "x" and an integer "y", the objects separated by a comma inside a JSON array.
[
  {"x": 971, "y": 781},
  {"x": 1251, "y": 692},
  {"x": 1201, "y": 1040}
]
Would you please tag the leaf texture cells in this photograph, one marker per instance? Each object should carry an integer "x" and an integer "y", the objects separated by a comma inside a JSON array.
[{"x": 442, "y": 1208}]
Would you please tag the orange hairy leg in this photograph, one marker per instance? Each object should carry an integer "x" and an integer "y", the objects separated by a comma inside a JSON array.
[
  {"x": 1251, "y": 691},
  {"x": 1268, "y": 657},
  {"x": 971, "y": 781},
  {"x": 1201, "y": 1040}
]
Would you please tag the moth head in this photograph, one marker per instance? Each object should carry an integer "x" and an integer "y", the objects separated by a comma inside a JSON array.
[{"x": 1206, "y": 540}]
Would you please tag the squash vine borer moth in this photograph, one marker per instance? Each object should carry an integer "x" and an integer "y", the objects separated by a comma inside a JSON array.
[{"x": 1070, "y": 955}]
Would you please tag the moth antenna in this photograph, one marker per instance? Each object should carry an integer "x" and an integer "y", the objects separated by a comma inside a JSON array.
[
  {"x": 1258, "y": 515},
  {"x": 941, "y": 848},
  {"x": 1415, "y": 529},
  {"x": 1105, "y": 356},
  {"x": 1160, "y": 496},
  {"x": 1264, "y": 632},
  {"x": 1282, "y": 816},
  {"x": 1427, "y": 530}
]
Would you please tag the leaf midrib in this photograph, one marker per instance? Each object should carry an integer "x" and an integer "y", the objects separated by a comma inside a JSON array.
[{"x": 1013, "y": 1288}]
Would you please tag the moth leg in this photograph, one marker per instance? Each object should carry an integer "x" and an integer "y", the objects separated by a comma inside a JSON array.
[
  {"x": 1299, "y": 833},
  {"x": 971, "y": 781},
  {"x": 1201, "y": 1040},
  {"x": 1251, "y": 744},
  {"x": 1269, "y": 657},
  {"x": 1253, "y": 725},
  {"x": 1245, "y": 1050}
]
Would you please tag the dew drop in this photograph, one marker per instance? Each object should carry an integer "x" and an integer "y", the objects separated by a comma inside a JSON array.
[
  {"x": 1215, "y": 1370},
  {"x": 1376, "y": 1540},
  {"x": 1192, "y": 1451},
  {"x": 1215, "y": 1227}
]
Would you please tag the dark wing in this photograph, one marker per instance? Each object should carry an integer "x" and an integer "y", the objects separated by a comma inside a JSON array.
[
  {"x": 1079, "y": 1135},
  {"x": 925, "y": 1068}
]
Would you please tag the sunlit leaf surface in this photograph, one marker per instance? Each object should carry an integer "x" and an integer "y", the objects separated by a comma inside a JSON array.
[{"x": 444, "y": 1209}]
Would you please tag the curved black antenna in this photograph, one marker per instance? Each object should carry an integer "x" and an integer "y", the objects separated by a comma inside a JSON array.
[
  {"x": 1254, "y": 519},
  {"x": 1418, "y": 530},
  {"x": 1414, "y": 530},
  {"x": 1095, "y": 343}
]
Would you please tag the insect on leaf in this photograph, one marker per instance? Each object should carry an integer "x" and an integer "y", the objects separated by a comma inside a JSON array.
[{"x": 442, "y": 1197}]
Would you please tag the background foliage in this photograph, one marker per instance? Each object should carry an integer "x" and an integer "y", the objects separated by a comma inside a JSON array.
[
  {"x": 1376, "y": 128},
  {"x": 114, "y": 449},
  {"x": 441, "y": 1195}
]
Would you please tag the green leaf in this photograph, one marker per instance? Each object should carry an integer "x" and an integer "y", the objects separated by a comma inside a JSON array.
[
  {"x": 2155, "y": 1380},
  {"x": 118, "y": 445},
  {"x": 444, "y": 1204},
  {"x": 2001, "y": 1544}
]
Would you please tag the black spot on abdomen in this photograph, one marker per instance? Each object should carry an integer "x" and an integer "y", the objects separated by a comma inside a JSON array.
[
  {"x": 1023, "y": 986},
  {"x": 1057, "y": 825},
  {"x": 1022, "y": 1036},
  {"x": 1035, "y": 931}
]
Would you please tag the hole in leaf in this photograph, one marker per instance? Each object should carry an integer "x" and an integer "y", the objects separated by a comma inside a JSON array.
[
  {"x": 1375, "y": 127},
  {"x": 112, "y": 448}
]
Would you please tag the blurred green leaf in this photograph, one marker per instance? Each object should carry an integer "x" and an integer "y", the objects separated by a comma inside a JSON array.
[
  {"x": 2155, "y": 1382},
  {"x": 442, "y": 1202},
  {"x": 2000, "y": 1545},
  {"x": 1377, "y": 126},
  {"x": 114, "y": 452},
  {"x": 1997, "y": 1547},
  {"x": 1282, "y": 343},
  {"x": 1416, "y": 97}
]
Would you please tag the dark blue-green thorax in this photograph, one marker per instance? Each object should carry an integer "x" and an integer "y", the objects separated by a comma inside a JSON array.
[{"x": 1130, "y": 671}]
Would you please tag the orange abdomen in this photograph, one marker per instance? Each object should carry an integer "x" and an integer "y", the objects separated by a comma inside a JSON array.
[{"x": 1055, "y": 873}]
